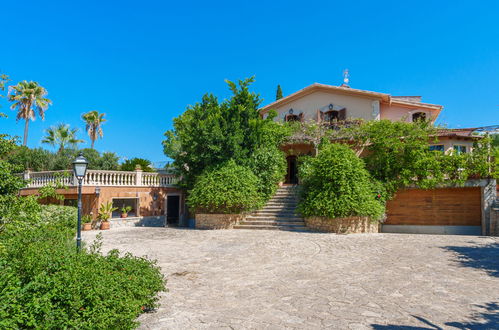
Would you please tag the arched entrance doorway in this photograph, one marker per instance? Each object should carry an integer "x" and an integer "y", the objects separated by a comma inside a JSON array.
[{"x": 292, "y": 172}]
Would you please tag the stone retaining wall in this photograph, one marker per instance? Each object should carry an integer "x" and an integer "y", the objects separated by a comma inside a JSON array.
[
  {"x": 350, "y": 225},
  {"x": 217, "y": 221},
  {"x": 151, "y": 221}
]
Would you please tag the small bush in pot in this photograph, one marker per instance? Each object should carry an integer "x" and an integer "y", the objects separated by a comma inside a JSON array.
[
  {"x": 87, "y": 222},
  {"x": 105, "y": 211},
  {"x": 125, "y": 210}
]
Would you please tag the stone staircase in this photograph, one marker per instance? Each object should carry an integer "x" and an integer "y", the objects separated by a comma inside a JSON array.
[{"x": 277, "y": 214}]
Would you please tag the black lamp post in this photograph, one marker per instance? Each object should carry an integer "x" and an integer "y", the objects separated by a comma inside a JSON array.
[{"x": 80, "y": 165}]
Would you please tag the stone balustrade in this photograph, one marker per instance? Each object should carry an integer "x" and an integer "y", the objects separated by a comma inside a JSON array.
[{"x": 102, "y": 178}]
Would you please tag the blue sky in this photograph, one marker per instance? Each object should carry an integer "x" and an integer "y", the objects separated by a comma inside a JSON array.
[{"x": 143, "y": 62}]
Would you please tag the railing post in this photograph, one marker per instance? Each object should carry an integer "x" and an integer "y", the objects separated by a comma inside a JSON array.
[
  {"x": 26, "y": 174},
  {"x": 138, "y": 176}
]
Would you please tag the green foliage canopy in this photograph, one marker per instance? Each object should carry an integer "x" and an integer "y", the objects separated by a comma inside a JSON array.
[
  {"x": 39, "y": 159},
  {"x": 9, "y": 183}
]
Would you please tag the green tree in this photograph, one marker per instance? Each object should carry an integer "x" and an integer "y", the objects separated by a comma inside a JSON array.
[
  {"x": 131, "y": 165},
  {"x": 4, "y": 79},
  {"x": 94, "y": 120},
  {"x": 9, "y": 182},
  {"x": 28, "y": 97},
  {"x": 108, "y": 161},
  {"x": 278, "y": 94},
  {"x": 62, "y": 136},
  {"x": 210, "y": 133},
  {"x": 37, "y": 159}
]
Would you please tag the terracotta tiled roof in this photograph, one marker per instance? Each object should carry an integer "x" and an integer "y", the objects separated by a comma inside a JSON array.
[
  {"x": 410, "y": 101},
  {"x": 458, "y": 132}
]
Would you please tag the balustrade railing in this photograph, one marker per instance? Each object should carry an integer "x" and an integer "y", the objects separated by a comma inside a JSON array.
[{"x": 101, "y": 178}]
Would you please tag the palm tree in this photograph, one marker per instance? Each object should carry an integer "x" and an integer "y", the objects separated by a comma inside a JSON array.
[
  {"x": 28, "y": 97},
  {"x": 62, "y": 136},
  {"x": 94, "y": 121}
]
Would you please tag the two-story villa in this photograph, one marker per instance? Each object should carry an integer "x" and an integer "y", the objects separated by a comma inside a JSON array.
[{"x": 326, "y": 103}]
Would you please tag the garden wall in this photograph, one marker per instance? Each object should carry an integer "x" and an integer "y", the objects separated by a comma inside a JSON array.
[
  {"x": 217, "y": 221},
  {"x": 350, "y": 225},
  {"x": 494, "y": 220}
]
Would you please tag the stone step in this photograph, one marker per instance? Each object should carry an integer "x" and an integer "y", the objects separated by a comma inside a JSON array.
[
  {"x": 283, "y": 198},
  {"x": 282, "y": 205},
  {"x": 272, "y": 218},
  {"x": 273, "y": 223},
  {"x": 283, "y": 201},
  {"x": 277, "y": 207},
  {"x": 263, "y": 213},
  {"x": 265, "y": 227}
]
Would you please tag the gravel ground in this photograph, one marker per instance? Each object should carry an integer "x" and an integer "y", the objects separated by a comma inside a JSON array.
[{"x": 243, "y": 279}]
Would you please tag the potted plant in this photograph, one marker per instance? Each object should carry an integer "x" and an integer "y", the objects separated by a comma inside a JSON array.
[
  {"x": 87, "y": 222},
  {"x": 125, "y": 210},
  {"x": 105, "y": 211}
]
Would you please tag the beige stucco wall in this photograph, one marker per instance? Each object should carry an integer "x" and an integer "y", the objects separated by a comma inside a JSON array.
[
  {"x": 395, "y": 112},
  {"x": 367, "y": 108},
  {"x": 357, "y": 106}
]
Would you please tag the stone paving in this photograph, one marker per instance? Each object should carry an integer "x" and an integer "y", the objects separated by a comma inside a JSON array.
[{"x": 243, "y": 279}]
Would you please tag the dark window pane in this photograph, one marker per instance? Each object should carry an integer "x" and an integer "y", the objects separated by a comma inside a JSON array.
[{"x": 438, "y": 147}]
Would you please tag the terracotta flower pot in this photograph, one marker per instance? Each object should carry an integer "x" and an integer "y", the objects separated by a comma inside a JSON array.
[
  {"x": 105, "y": 225},
  {"x": 87, "y": 226},
  {"x": 124, "y": 215}
]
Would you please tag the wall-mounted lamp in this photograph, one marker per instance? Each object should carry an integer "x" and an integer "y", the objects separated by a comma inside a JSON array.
[
  {"x": 97, "y": 191},
  {"x": 331, "y": 106},
  {"x": 291, "y": 111},
  {"x": 155, "y": 196}
]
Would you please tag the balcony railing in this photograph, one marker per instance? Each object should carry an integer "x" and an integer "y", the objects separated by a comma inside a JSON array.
[{"x": 102, "y": 178}]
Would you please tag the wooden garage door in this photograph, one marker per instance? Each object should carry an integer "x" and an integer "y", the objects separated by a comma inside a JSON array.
[{"x": 440, "y": 207}]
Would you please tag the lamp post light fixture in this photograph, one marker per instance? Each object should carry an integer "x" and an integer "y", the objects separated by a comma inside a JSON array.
[{"x": 80, "y": 165}]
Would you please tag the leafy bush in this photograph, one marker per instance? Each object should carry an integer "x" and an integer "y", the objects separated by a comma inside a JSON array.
[
  {"x": 269, "y": 165},
  {"x": 229, "y": 188},
  {"x": 45, "y": 283},
  {"x": 131, "y": 164},
  {"x": 336, "y": 184}
]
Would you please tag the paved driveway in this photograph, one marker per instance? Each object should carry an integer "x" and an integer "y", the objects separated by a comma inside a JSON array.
[{"x": 271, "y": 280}]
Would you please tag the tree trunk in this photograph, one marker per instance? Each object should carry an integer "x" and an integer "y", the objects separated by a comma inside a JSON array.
[
  {"x": 26, "y": 124},
  {"x": 93, "y": 141}
]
